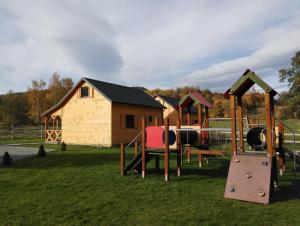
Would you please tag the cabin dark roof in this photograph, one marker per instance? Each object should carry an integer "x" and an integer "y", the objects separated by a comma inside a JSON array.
[
  {"x": 113, "y": 92},
  {"x": 123, "y": 94},
  {"x": 174, "y": 102},
  {"x": 170, "y": 100}
]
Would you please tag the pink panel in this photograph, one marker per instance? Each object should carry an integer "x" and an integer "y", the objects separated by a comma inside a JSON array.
[{"x": 154, "y": 137}]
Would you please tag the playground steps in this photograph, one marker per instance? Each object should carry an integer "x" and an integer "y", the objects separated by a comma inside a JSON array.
[{"x": 136, "y": 162}]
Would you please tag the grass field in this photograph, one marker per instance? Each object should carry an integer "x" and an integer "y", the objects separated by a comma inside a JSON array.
[{"x": 82, "y": 186}]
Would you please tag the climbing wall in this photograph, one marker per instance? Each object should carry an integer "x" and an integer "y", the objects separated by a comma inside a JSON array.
[{"x": 249, "y": 178}]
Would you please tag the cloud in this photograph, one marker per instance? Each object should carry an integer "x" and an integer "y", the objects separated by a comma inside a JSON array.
[
  {"x": 146, "y": 43},
  {"x": 55, "y": 37},
  {"x": 278, "y": 45}
]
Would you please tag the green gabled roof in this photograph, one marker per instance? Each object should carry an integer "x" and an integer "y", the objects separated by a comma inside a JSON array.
[{"x": 244, "y": 83}]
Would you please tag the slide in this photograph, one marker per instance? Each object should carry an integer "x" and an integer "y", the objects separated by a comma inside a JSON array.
[{"x": 136, "y": 163}]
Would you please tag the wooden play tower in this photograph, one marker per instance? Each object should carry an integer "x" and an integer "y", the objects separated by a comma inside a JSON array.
[{"x": 252, "y": 175}]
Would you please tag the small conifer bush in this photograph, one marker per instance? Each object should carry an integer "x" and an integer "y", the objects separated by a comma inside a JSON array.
[
  {"x": 42, "y": 152},
  {"x": 63, "y": 146},
  {"x": 7, "y": 160}
]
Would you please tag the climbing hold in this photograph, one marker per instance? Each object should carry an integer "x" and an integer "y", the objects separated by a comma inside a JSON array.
[
  {"x": 232, "y": 189},
  {"x": 261, "y": 194},
  {"x": 248, "y": 176},
  {"x": 237, "y": 160}
]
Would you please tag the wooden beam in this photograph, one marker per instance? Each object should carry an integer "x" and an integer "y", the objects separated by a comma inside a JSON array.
[
  {"x": 240, "y": 123},
  {"x": 206, "y": 123},
  {"x": 180, "y": 115},
  {"x": 268, "y": 124},
  {"x": 207, "y": 152},
  {"x": 200, "y": 122},
  {"x": 273, "y": 124},
  {"x": 179, "y": 150},
  {"x": 143, "y": 147},
  {"x": 136, "y": 148},
  {"x": 188, "y": 116},
  {"x": 166, "y": 154},
  {"x": 233, "y": 124},
  {"x": 122, "y": 159},
  {"x": 156, "y": 121}
]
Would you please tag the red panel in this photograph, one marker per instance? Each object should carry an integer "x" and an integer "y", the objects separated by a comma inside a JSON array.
[{"x": 154, "y": 137}]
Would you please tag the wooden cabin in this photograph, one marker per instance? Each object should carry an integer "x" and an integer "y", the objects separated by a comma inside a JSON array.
[
  {"x": 171, "y": 110},
  {"x": 101, "y": 114}
]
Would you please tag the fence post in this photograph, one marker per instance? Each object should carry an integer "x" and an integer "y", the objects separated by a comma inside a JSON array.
[
  {"x": 122, "y": 159},
  {"x": 41, "y": 133},
  {"x": 12, "y": 131}
]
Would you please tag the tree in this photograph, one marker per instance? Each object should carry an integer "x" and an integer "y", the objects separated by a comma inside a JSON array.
[
  {"x": 291, "y": 75},
  {"x": 58, "y": 88},
  {"x": 13, "y": 108},
  {"x": 36, "y": 99}
]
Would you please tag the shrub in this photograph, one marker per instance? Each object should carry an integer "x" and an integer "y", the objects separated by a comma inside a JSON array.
[
  {"x": 63, "y": 146},
  {"x": 42, "y": 152},
  {"x": 7, "y": 160}
]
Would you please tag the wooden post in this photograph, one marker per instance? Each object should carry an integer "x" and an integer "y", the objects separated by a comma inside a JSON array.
[
  {"x": 240, "y": 123},
  {"x": 143, "y": 147},
  {"x": 188, "y": 116},
  {"x": 200, "y": 160},
  {"x": 280, "y": 143},
  {"x": 122, "y": 159},
  {"x": 206, "y": 122},
  {"x": 233, "y": 124},
  {"x": 136, "y": 148},
  {"x": 179, "y": 150},
  {"x": 273, "y": 125},
  {"x": 268, "y": 124},
  {"x": 180, "y": 115},
  {"x": 166, "y": 154},
  {"x": 200, "y": 121},
  {"x": 46, "y": 127},
  {"x": 156, "y": 121}
]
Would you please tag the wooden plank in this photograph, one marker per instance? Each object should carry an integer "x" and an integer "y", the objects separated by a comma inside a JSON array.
[
  {"x": 166, "y": 153},
  {"x": 268, "y": 124},
  {"x": 233, "y": 124},
  {"x": 207, "y": 152},
  {"x": 240, "y": 123}
]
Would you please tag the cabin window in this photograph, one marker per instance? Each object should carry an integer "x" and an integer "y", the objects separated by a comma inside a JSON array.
[
  {"x": 130, "y": 121},
  {"x": 150, "y": 118},
  {"x": 84, "y": 91}
]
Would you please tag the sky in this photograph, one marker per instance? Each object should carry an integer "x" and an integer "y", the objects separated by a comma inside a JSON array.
[{"x": 154, "y": 44}]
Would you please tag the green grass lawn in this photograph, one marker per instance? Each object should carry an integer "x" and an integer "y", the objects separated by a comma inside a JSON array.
[{"x": 82, "y": 186}]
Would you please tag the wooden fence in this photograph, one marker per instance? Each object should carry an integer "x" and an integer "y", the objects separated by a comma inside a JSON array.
[{"x": 31, "y": 131}]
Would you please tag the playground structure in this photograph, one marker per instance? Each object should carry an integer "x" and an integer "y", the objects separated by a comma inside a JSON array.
[
  {"x": 252, "y": 175},
  {"x": 164, "y": 140}
]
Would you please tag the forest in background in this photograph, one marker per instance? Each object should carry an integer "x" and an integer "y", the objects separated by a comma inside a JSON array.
[{"x": 27, "y": 107}]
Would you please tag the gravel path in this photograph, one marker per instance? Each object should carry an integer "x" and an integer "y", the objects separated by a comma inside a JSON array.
[{"x": 17, "y": 152}]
